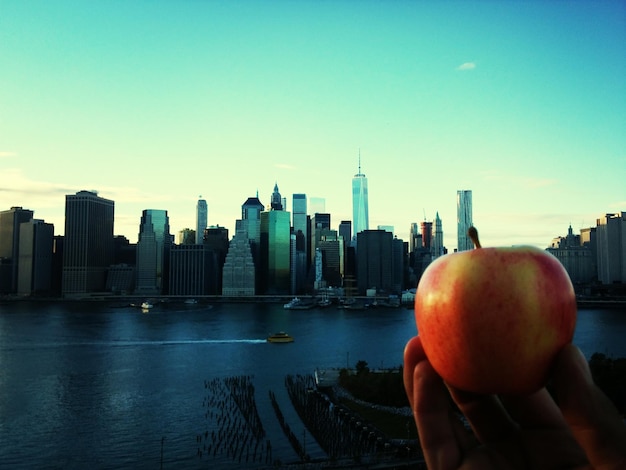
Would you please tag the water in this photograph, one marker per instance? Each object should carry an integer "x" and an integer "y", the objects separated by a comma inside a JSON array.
[{"x": 92, "y": 385}]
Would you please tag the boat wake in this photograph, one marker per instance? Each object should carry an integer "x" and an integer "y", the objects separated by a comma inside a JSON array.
[{"x": 129, "y": 343}]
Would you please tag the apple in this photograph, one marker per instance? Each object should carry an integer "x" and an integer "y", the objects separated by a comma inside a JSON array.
[{"x": 491, "y": 320}]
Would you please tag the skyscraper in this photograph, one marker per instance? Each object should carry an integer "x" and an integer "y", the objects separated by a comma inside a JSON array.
[
  {"x": 202, "y": 212},
  {"x": 153, "y": 250},
  {"x": 276, "y": 201},
  {"x": 464, "y": 219},
  {"x": 360, "y": 213},
  {"x": 35, "y": 258},
  {"x": 437, "y": 247},
  {"x": 275, "y": 252},
  {"x": 611, "y": 248},
  {"x": 10, "y": 222},
  {"x": 88, "y": 245}
]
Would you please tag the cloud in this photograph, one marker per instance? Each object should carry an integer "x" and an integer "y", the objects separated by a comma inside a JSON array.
[
  {"x": 467, "y": 66},
  {"x": 6, "y": 154}
]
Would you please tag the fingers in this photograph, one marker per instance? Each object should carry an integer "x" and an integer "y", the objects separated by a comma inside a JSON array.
[
  {"x": 535, "y": 411},
  {"x": 594, "y": 421},
  {"x": 486, "y": 414},
  {"x": 413, "y": 353},
  {"x": 432, "y": 412}
]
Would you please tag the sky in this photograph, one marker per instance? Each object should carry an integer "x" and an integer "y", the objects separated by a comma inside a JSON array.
[{"x": 155, "y": 103}]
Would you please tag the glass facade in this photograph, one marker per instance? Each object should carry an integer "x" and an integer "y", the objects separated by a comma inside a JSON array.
[
  {"x": 153, "y": 249},
  {"x": 202, "y": 213},
  {"x": 276, "y": 251},
  {"x": 464, "y": 219},
  {"x": 88, "y": 246},
  {"x": 360, "y": 212}
]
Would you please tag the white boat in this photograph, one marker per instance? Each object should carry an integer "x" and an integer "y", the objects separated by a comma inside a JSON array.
[
  {"x": 191, "y": 301},
  {"x": 298, "y": 304},
  {"x": 146, "y": 305}
]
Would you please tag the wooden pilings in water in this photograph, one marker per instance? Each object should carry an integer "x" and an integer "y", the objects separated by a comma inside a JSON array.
[
  {"x": 234, "y": 428},
  {"x": 339, "y": 433}
]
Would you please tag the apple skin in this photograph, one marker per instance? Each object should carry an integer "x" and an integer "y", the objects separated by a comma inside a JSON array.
[{"x": 492, "y": 320}]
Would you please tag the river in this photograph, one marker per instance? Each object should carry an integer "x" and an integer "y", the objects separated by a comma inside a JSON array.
[{"x": 95, "y": 385}]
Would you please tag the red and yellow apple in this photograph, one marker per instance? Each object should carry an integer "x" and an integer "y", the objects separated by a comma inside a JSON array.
[{"x": 491, "y": 320}]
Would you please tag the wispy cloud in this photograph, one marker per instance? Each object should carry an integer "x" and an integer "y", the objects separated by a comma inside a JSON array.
[{"x": 467, "y": 66}]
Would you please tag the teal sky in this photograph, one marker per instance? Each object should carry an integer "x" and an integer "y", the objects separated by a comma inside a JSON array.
[{"x": 153, "y": 103}]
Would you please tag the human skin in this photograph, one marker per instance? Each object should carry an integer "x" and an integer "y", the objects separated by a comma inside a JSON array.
[{"x": 578, "y": 429}]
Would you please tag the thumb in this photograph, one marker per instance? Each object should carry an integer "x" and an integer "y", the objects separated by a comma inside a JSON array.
[{"x": 592, "y": 417}]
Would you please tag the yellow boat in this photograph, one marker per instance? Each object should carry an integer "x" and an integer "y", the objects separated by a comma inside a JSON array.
[{"x": 280, "y": 337}]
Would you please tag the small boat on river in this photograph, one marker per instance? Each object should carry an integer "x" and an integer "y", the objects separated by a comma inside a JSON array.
[
  {"x": 298, "y": 304},
  {"x": 280, "y": 337}
]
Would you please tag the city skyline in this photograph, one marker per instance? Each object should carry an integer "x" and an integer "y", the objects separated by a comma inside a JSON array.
[{"x": 523, "y": 103}]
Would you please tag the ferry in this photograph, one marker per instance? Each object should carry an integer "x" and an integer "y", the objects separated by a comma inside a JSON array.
[
  {"x": 146, "y": 305},
  {"x": 298, "y": 304},
  {"x": 280, "y": 337}
]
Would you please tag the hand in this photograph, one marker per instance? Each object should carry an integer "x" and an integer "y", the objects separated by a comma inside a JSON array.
[{"x": 583, "y": 431}]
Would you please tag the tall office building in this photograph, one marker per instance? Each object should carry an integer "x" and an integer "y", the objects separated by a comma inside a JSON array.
[
  {"x": 276, "y": 201},
  {"x": 300, "y": 232},
  {"x": 251, "y": 217},
  {"x": 317, "y": 204},
  {"x": 35, "y": 258},
  {"x": 299, "y": 214},
  {"x": 10, "y": 222},
  {"x": 238, "y": 277},
  {"x": 153, "y": 252},
  {"x": 88, "y": 248},
  {"x": 464, "y": 219},
  {"x": 379, "y": 262},
  {"x": 275, "y": 252},
  {"x": 611, "y": 248},
  {"x": 360, "y": 213},
  {"x": 202, "y": 212},
  {"x": 437, "y": 248}
]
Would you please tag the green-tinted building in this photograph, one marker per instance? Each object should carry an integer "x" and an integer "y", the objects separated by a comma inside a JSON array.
[{"x": 275, "y": 252}]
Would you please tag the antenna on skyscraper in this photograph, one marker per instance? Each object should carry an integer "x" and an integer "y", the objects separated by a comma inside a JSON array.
[{"x": 359, "y": 160}]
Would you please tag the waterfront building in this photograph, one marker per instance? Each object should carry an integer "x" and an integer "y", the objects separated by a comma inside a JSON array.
[
  {"x": 216, "y": 240},
  {"x": 299, "y": 263},
  {"x": 124, "y": 252},
  {"x": 153, "y": 252},
  {"x": 611, "y": 248},
  {"x": 34, "y": 274},
  {"x": 378, "y": 266},
  {"x": 88, "y": 244},
  {"x": 330, "y": 246},
  {"x": 300, "y": 226},
  {"x": 360, "y": 211},
  {"x": 192, "y": 270},
  {"x": 121, "y": 278},
  {"x": 319, "y": 221},
  {"x": 10, "y": 222},
  {"x": 202, "y": 213},
  {"x": 238, "y": 277},
  {"x": 275, "y": 252},
  {"x": 464, "y": 219},
  {"x": 576, "y": 258}
]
